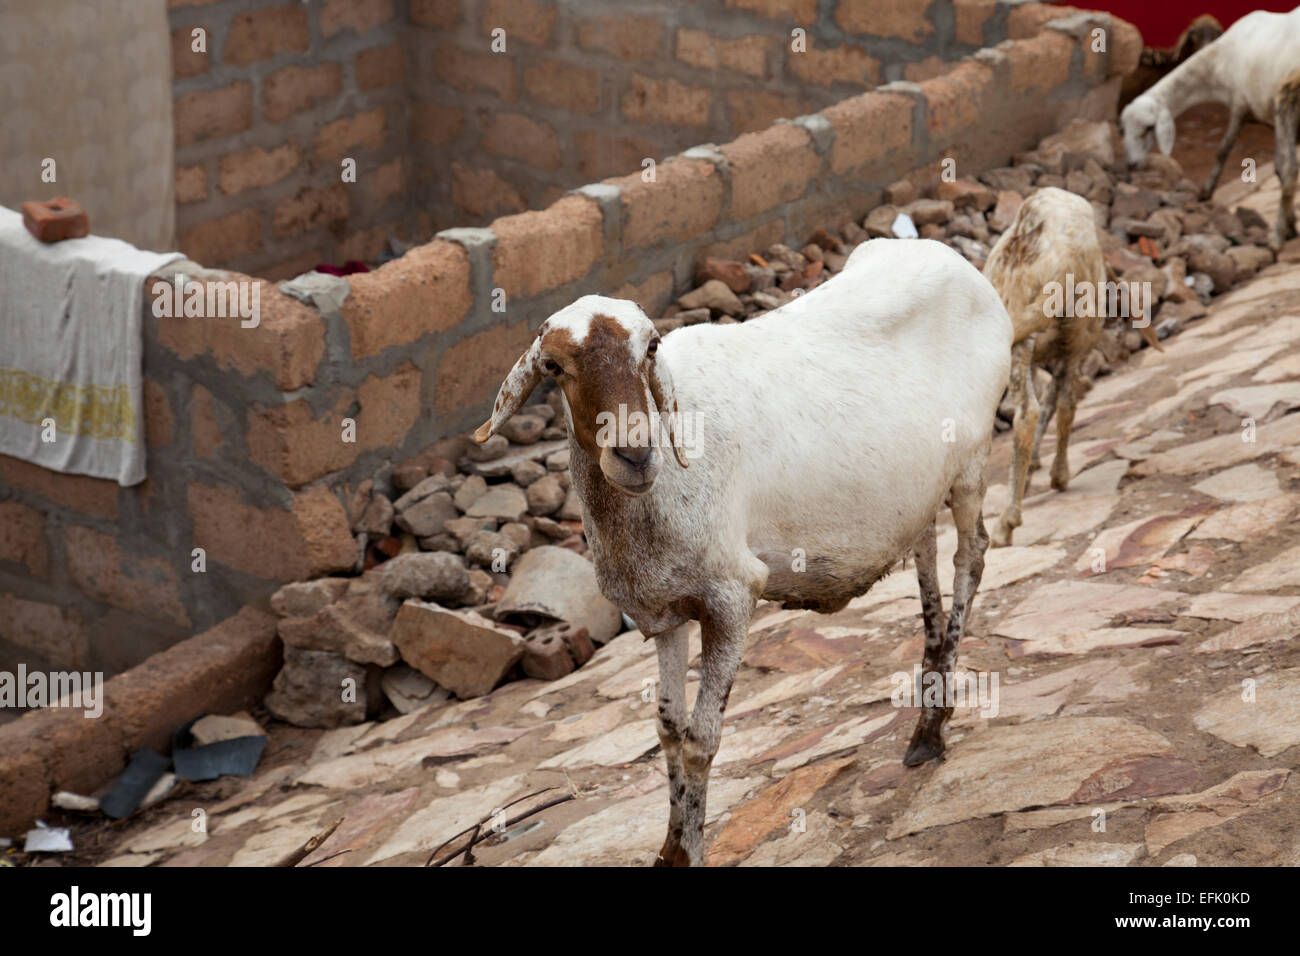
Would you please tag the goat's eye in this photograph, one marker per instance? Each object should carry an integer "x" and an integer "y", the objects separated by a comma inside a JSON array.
[
  {"x": 551, "y": 367},
  {"x": 652, "y": 347}
]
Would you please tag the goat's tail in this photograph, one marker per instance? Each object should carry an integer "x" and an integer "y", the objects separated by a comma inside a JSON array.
[{"x": 1148, "y": 331}]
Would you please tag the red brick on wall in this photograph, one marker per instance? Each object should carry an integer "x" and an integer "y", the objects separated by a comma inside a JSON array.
[
  {"x": 359, "y": 16},
  {"x": 253, "y": 167},
  {"x": 210, "y": 113},
  {"x": 381, "y": 66},
  {"x": 296, "y": 88},
  {"x": 261, "y": 34}
]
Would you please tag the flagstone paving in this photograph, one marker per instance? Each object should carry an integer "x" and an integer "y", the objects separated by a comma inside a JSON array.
[{"x": 1138, "y": 648}]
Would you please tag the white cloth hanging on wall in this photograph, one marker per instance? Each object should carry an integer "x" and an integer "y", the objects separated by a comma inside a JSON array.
[{"x": 71, "y": 349}]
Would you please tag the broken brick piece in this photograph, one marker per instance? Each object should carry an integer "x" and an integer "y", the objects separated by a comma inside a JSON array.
[{"x": 52, "y": 220}]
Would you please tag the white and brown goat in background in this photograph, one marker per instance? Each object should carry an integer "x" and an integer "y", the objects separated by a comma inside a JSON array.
[
  {"x": 1051, "y": 247},
  {"x": 834, "y": 427}
]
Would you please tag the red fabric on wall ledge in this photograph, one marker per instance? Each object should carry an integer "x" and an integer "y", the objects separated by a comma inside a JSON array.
[{"x": 1163, "y": 21}]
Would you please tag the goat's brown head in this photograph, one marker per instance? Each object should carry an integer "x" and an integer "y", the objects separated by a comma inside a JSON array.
[{"x": 617, "y": 395}]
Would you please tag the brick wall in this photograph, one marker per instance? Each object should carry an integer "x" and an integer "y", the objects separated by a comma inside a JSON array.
[
  {"x": 588, "y": 90},
  {"x": 446, "y": 131},
  {"x": 245, "y": 453},
  {"x": 285, "y": 91}
]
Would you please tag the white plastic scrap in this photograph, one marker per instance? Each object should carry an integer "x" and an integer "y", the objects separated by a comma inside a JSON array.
[
  {"x": 903, "y": 227},
  {"x": 66, "y": 800},
  {"x": 45, "y": 839}
]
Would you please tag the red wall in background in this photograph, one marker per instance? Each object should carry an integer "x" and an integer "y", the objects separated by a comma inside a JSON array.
[{"x": 1163, "y": 21}]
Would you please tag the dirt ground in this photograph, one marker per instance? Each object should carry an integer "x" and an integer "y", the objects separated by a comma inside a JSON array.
[{"x": 1143, "y": 630}]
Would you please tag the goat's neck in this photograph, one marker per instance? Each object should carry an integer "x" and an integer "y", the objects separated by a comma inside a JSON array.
[
  {"x": 1195, "y": 81},
  {"x": 605, "y": 505}
]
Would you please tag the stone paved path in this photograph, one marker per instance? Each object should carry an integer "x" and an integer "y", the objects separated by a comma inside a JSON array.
[{"x": 1144, "y": 631}]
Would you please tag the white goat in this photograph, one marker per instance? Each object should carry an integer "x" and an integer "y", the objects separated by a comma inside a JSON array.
[
  {"x": 830, "y": 432},
  {"x": 1049, "y": 269},
  {"x": 1254, "y": 68}
]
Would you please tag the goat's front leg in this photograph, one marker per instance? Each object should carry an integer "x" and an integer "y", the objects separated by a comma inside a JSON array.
[
  {"x": 1024, "y": 427},
  {"x": 1286, "y": 128},
  {"x": 1235, "y": 121},
  {"x": 673, "y": 652},
  {"x": 966, "y": 501},
  {"x": 723, "y": 632}
]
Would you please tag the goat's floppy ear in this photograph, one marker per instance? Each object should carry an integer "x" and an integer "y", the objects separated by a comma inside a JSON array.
[
  {"x": 661, "y": 389},
  {"x": 1165, "y": 129},
  {"x": 519, "y": 384}
]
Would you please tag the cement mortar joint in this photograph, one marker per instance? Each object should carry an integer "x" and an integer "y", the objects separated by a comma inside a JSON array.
[
  {"x": 903, "y": 86},
  {"x": 1079, "y": 25},
  {"x": 818, "y": 128},
  {"x": 609, "y": 200},
  {"x": 326, "y": 293},
  {"x": 473, "y": 239},
  {"x": 708, "y": 152},
  {"x": 992, "y": 57}
]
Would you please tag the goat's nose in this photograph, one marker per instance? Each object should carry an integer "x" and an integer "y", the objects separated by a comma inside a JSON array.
[{"x": 636, "y": 454}]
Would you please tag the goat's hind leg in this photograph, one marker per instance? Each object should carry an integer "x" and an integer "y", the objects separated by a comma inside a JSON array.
[
  {"x": 1047, "y": 408},
  {"x": 1064, "y": 422},
  {"x": 940, "y": 666},
  {"x": 1024, "y": 427},
  {"x": 926, "y": 553},
  {"x": 927, "y": 576},
  {"x": 673, "y": 652},
  {"x": 1286, "y": 128}
]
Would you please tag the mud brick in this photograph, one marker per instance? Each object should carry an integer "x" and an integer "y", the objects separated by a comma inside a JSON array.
[
  {"x": 53, "y": 220},
  {"x": 546, "y": 656}
]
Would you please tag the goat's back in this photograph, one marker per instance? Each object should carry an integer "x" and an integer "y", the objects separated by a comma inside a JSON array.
[
  {"x": 1256, "y": 56},
  {"x": 839, "y": 421},
  {"x": 1053, "y": 237}
]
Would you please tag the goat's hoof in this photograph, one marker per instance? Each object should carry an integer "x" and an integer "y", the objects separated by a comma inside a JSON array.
[
  {"x": 926, "y": 745},
  {"x": 672, "y": 854},
  {"x": 1060, "y": 483},
  {"x": 1001, "y": 536}
]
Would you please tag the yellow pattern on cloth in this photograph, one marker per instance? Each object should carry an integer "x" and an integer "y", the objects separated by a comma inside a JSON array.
[{"x": 94, "y": 410}]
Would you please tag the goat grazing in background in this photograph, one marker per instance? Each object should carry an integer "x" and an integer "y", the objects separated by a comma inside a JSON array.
[
  {"x": 1254, "y": 68},
  {"x": 832, "y": 429},
  {"x": 1050, "y": 253}
]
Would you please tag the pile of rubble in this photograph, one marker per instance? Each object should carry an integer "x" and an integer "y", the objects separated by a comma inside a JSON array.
[
  {"x": 472, "y": 571},
  {"x": 471, "y": 558},
  {"x": 1152, "y": 228}
]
